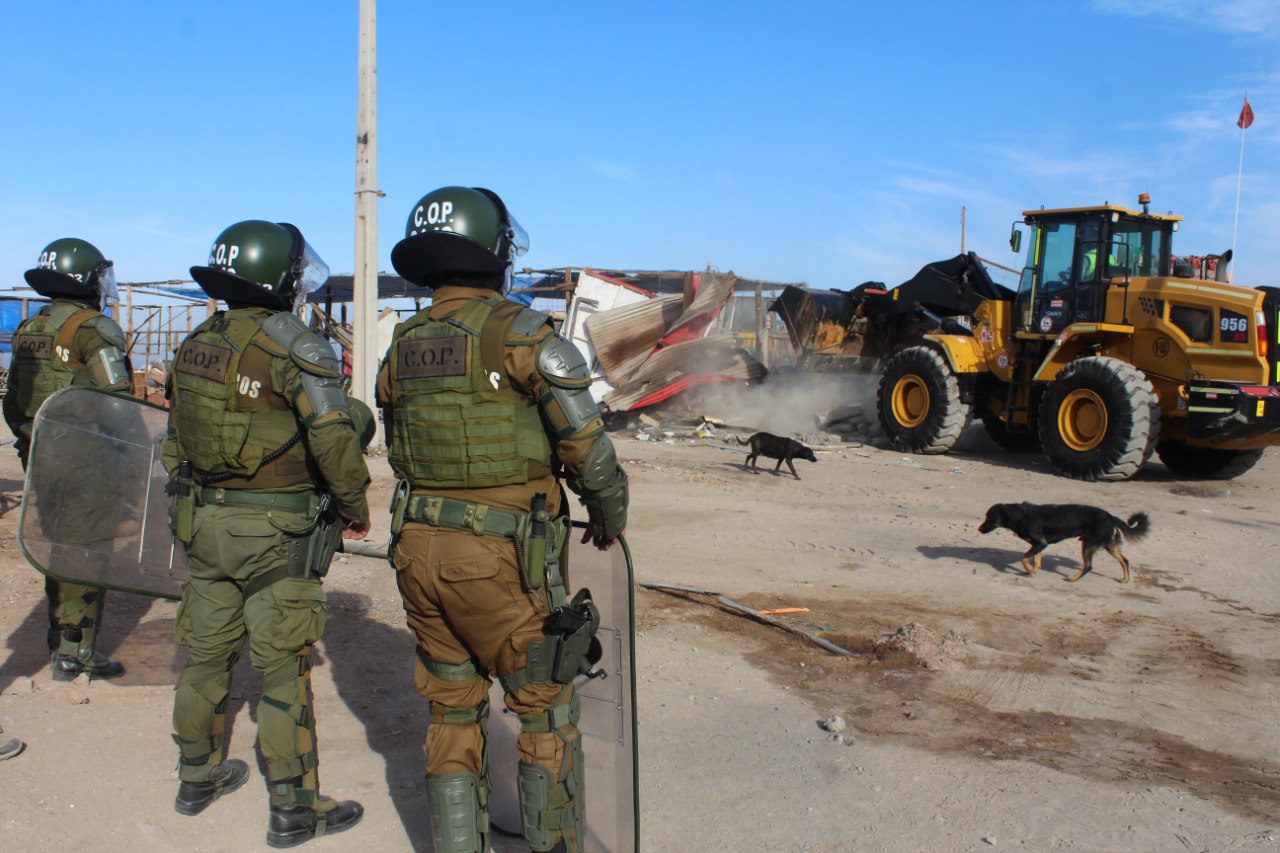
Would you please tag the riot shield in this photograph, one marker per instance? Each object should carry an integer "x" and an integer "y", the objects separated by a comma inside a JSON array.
[
  {"x": 94, "y": 510},
  {"x": 608, "y": 722}
]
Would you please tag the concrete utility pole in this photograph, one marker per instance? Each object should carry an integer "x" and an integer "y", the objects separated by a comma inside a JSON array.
[{"x": 364, "y": 356}]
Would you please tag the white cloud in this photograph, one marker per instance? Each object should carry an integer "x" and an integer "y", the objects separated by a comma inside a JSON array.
[
  {"x": 1239, "y": 17},
  {"x": 613, "y": 169}
]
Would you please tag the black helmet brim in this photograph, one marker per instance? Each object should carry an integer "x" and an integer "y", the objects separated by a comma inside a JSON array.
[
  {"x": 427, "y": 258},
  {"x": 52, "y": 283},
  {"x": 234, "y": 289}
]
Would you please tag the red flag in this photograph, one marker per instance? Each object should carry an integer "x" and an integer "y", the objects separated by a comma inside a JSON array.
[{"x": 1246, "y": 116}]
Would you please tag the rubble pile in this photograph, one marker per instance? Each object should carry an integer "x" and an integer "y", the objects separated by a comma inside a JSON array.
[{"x": 853, "y": 421}]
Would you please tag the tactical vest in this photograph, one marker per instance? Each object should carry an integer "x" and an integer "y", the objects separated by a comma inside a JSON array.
[
  {"x": 43, "y": 356},
  {"x": 457, "y": 423},
  {"x": 226, "y": 435}
]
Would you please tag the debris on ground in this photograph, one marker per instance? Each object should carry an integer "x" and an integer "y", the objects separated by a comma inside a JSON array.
[
  {"x": 684, "y": 592},
  {"x": 11, "y": 747},
  {"x": 834, "y": 724},
  {"x": 919, "y": 645}
]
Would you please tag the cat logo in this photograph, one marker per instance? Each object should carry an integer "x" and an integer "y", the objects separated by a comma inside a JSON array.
[{"x": 1160, "y": 347}]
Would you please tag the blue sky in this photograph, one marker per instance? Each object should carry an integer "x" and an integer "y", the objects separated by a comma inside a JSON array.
[{"x": 829, "y": 143}]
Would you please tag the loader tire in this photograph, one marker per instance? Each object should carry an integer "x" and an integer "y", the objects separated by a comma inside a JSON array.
[
  {"x": 919, "y": 402},
  {"x": 1098, "y": 419},
  {"x": 1014, "y": 442},
  {"x": 1206, "y": 463}
]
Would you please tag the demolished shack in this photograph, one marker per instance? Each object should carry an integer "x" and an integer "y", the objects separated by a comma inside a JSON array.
[{"x": 647, "y": 340}]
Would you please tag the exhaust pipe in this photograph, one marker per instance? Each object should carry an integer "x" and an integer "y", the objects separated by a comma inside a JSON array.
[{"x": 1224, "y": 264}]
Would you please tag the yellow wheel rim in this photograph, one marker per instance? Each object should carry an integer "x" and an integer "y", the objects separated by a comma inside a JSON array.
[
  {"x": 910, "y": 401},
  {"x": 1082, "y": 420}
]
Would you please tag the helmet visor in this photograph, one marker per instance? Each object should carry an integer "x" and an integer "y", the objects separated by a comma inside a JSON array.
[
  {"x": 313, "y": 272},
  {"x": 519, "y": 243},
  {"x": 106, "y": 280}
]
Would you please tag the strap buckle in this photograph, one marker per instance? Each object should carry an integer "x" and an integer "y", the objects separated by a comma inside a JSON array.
[{"x": 474, "y": 517}]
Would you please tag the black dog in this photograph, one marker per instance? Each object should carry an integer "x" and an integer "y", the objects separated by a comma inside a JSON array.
[
  {"x": 1044, "y": 524},
  {"x": 776, "y": 447}
]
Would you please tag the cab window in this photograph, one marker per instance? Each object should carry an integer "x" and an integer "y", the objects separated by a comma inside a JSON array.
[
  {"x": 1138, "y": 249},
  {"x": 1057, "y": 253}
]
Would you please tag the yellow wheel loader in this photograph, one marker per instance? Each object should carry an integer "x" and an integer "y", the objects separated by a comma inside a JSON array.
[{"x": 1102, "y": 357}]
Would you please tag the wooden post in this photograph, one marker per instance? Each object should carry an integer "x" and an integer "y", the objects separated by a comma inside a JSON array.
[
  {"x": 364, "y": 356},
  {"x": 763, "y": 355},
  {"x": 759, "y": 322},
  {"x": 129, "y": 330}
]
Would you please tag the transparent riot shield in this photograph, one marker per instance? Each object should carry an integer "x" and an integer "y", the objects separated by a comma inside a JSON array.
[
  {"x": 608, "y": 722},
  {"x": 94, "y": 510}
]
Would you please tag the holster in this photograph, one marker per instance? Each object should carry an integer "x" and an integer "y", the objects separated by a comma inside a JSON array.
[
  {"x": 570, "y": 647},
  {"x": 399, "y": 506},
  {"x": 182, "y": 512},
  {"x": 310, "y": 555},
  {"x": 541, "y": 542}
]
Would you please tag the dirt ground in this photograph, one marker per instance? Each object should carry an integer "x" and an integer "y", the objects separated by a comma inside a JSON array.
[{"x": 1008, "y": 711}]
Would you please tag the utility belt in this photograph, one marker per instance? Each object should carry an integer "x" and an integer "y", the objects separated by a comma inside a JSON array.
[
  {"x": 312, "y": 543},
  {"x": 569, "y": 646},
  {"x": 539, "y": 539}
]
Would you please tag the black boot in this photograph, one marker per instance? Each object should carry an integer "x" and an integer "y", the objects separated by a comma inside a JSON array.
[
  {"x": 69, "y": 667},
  {"x": 294, "y": 825},
  {"x": 195, "y": 797}
]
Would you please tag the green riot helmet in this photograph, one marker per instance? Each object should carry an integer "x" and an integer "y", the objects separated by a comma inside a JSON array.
[
  {"x": 460, "y": 233},
  {"x": 267, "y": 264},
  {"x": 363, "y": 421},
  {"x": 74, "y": 268}
]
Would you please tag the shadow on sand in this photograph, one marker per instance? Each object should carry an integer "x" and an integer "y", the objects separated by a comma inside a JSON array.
[
  {"x": 372, "y": 668},
  {"x": 146, "y": 649},
  {"x": 1000, "y": 559}
]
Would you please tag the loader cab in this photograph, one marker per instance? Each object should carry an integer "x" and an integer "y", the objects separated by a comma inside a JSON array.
[{"x": 1075, "y": 255}]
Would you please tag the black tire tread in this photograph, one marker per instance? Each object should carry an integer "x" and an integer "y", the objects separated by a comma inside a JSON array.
[
  {"x": 1134, "y": 447},
  {"x": 955, "y": 414},
  {"x": 1206, "y": 463}
]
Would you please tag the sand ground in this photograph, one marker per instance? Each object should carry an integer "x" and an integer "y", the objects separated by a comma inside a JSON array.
[{"x": 1014, "y": 711}]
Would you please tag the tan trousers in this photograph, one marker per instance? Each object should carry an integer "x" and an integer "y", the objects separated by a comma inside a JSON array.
[{"x": 464, "y": 601}]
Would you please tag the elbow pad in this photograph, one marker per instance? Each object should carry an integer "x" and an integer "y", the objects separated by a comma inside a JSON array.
[
  {"x": 598, "y": 467},
  {"x": 321, "y": 400},
  {"x": 607, "y": 508},
  {"x": 566, "y": 403}
]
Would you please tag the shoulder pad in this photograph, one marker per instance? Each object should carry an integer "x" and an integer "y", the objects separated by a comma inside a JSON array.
[
  {"x": 527, "y": 323},
  {"x": 307, "y": 349},
  {"x": 283, "y": 328},
  {"x": 561, "y": 363},
  {"x": 109, "y": 330},
  {"x": 314, "y": 354}
]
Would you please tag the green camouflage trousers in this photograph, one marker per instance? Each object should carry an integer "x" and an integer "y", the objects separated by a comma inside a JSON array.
[
  {"x": 231, "y": 545},
  {"x": 71, "y": 605}
]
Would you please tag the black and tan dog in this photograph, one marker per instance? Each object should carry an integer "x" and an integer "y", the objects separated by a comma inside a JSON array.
[
  {"x": 1044, "y": 524},
  {"x": 776, "y": 447}
]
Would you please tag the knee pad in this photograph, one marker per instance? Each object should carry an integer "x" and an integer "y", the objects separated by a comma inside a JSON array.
[
  {"x": 290, "y": 748},
  {"x": 552, "y": 803},
  {"x": 459, "y": 807},
  {"x": 199, "y": 711}
]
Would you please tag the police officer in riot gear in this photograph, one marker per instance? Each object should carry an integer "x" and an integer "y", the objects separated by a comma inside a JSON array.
[
  {"x": 267, "y": 470},
  {"x": 487, "y": 411},
  {"x": 68, "y": 342}
]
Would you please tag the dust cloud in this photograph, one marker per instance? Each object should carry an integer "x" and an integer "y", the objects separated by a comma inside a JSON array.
[{"x": 790, "y": 403}]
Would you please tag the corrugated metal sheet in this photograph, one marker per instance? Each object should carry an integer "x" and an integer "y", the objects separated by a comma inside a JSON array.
[
  {"x": 624, "y": 337},
  {"x": 714, "y": 291},
  {"x": 717, "y": 357}
]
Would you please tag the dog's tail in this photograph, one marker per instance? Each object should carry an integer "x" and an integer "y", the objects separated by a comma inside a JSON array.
[{"x": 1137, "y": 527}]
